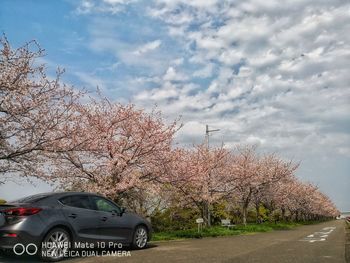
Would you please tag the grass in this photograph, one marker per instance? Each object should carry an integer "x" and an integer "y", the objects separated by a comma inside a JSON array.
[
  {"x": 347, "y": 244},
  {"x": 216, "y": 231}
]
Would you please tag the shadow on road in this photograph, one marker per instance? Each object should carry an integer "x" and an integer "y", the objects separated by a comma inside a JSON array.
[
  {"x": 7, "y": 257},
  {"x": 152, "y": 245}
]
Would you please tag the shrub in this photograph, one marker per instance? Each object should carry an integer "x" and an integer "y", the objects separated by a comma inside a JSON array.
[{"x": 174, "y": 218}]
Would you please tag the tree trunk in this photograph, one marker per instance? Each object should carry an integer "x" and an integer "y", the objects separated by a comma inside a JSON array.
[
  {"x": 283, "y": 214},
  {"x": 257, "y": 213},
  {"x": 206, "y": 214},
  {"x": 209, "y": 215},
  {"x": 244, "y": 214}
]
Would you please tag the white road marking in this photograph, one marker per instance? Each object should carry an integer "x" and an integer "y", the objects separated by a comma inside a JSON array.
[
  {"x": 319, "y": 235},
  {"x": 314, "y": 240}
]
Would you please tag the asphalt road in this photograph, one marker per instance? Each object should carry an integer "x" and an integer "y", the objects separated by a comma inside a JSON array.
[{"x": 318, "y": 243}]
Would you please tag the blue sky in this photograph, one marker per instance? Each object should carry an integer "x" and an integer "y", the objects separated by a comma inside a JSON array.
[{"x": 262, "y": 72}]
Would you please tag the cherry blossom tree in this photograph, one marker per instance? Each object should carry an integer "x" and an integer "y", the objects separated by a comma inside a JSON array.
[
  {"x": 245, "y": 172},
  {"x": 274, "y": 170},
  {"x": 34, "y": 111},
  {"x": 280, "y": 194},
  {"x": 254, "y": 174},
  {"x": 198, "y": 175},
  {"x": 117, "y": 148}
]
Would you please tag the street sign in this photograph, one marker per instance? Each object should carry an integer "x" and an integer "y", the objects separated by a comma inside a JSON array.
[{"x": 199, "y": 220}]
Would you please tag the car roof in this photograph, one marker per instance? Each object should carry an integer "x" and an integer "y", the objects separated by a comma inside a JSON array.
[
  {"x": 41, "y": 196},
  {"x": 61, "y": 194}
]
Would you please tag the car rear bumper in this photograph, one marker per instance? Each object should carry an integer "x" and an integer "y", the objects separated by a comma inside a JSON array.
[{"x": 24, "y": 238}]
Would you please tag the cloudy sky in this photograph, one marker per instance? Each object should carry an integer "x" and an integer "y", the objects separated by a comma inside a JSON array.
[{"x": 273, "y": 73}]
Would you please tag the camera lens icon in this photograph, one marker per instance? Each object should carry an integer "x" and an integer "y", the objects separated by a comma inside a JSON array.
[{"x": 19, "y": 249}]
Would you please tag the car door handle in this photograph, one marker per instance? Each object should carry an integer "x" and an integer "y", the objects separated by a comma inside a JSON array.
[
  {"x": 73, "y": 215},
  {"x": 104, "y": 218}
]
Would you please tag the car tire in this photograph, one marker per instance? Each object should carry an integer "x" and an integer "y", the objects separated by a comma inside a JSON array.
[
  {"x": 140, "y": 237},
  {"x": 56, "y": 236}
]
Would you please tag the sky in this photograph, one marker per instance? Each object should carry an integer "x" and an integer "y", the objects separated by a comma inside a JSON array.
[{"x": 272, "y": 73}]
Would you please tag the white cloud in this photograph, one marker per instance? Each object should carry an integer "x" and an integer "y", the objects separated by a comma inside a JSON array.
[
  {"x": 261, "y": 71},
  {"x": 150, "y": 46},
  {"x": 277, "y": 68},
  {"x": 91, "y": 81},
  {"x": 193, "y": 3},
  {"x": 85, "y": 7},
  {"x": 113, "y": 2},
  {"x": 172, "y": 75},
  {"x": 102, "y": 6},
  {"x": 178, "y": 61},
  {"x": 255, "y": 140},
  {"x": 204, "y": 72}
]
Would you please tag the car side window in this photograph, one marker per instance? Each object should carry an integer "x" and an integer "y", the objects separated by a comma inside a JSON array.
[
  {"x": 104, "y": 205},
  {"x": 79, "y": 201}
]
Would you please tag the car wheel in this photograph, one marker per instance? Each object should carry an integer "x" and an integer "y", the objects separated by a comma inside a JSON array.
[
  {"x": 140, "y": 237},
  {"x": 55, "y": 245}
]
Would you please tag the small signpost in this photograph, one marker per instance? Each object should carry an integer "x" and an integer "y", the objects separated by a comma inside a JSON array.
[{"x": 199, "y": 221}]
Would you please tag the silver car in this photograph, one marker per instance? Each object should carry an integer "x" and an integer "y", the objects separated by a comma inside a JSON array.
[{"x": 51, "y": 225}]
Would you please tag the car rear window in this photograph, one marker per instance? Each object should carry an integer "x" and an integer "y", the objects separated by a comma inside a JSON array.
[{"x": 79, "y": 201}]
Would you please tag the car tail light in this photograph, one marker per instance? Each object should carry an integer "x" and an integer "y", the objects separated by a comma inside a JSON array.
[
  {"x": 22, "y": 211},
  {"x": 10, "y": 235}
]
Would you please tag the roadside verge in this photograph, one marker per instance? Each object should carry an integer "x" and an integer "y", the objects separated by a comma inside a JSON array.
[
  {"x": 219, "y": 231},
  {"x": 347, "y": 242}
]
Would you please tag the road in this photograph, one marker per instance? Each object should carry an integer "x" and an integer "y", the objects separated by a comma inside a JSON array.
[
  {"x": 318, "y": 243},
  {"x": 327, "y": 244}
]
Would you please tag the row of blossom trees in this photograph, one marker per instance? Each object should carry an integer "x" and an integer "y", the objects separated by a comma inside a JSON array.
[
  {"x": 48, "y": 131},
  {"x": 246, "y": 179}
]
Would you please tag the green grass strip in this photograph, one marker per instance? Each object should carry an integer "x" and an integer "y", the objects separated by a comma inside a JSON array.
[{"x": 217, "y": 231}]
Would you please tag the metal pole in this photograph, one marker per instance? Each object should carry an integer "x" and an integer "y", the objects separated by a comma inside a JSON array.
[
  {"x": 207, "y": 133},
  {"x": 207, "y": 136}
]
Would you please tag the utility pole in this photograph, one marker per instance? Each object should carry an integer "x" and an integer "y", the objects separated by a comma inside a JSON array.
[{"x": 207, "y": 133}]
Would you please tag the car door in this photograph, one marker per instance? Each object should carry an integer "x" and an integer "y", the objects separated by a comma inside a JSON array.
[
  {"x": 114, "y": 225},
  {"x": 82, "y": 216}
]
